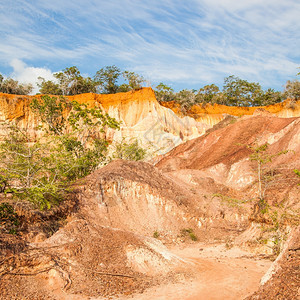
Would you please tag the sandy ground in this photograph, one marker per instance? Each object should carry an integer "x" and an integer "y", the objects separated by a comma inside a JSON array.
[{"x": 219, "y": 273}]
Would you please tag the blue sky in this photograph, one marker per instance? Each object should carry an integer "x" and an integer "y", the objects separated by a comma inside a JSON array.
[{"x": 185, "y": 44}]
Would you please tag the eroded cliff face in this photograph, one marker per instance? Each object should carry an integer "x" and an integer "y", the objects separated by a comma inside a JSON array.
[
  {"x": 158, "y": 128},
  {"x": 212, "y": 114},
  {"x": 141, "y": 117}
]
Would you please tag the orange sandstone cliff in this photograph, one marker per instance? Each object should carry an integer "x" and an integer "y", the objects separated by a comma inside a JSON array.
[
  {"x": 211, "y": 114},
  {"x": 157, "y": 127}
]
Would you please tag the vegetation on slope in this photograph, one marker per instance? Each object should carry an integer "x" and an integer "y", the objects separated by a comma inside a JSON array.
[{"x": 40, "y": 171}]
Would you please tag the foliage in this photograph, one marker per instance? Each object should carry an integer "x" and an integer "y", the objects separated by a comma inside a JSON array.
[
  {"x": 135, "y": 82},
  {"x": 268, "y": 97},
  {"x": 9, "y": 220},
  {"x": 11, "y": 86},
  {"x": 297, "y": 172},
  {"x": 292, "y": 89},
  {"x": 239, "y": 92},
  {"x": 71, "y": 82},
  {"x": 129, "y": 150},
  {"x": 49, "y": 87},
  {"x": 236, "y": 92},
  {"x": 42, "y": 171},
  {"x": 106, "y": 79},
  {"x": 190, "y": 233},
  {"x": 186, "y": 99},
  {"x": 164, "y": 93},
  {"x": 210, "y": 94},
  {"x": 265, "y": 175},
  {"x": 232, "y": 202},
  {"x": 26, "y": 169},
  {"x": 156, "y": 234},
  {"x": 50, "y": 110}
]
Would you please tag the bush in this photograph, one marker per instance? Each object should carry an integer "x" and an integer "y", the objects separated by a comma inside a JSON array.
[
  {"x": 190, "y": 233},
  {"x": 9, "y": 220},
  {"x": 129, "y": 151},
  {"x": 41, "y": 172}
]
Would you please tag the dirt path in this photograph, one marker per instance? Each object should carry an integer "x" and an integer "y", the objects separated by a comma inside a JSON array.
[{"x": 219, "y": 274}]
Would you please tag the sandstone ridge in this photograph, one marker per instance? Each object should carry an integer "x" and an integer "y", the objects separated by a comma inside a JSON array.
[{"x": 157, "y": 127}]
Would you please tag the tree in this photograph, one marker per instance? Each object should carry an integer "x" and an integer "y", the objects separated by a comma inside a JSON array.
[
  {"x": 50, "y": 110},
  {"x": 239, "y": 92},
  {"x": 25, "y": 167},
  {"x": 135, "y": 81},
  {"x": 72, "y": 148},
  {"x": 82, "y": 121},
  {"x": 265, "y": 175},
  {"x": 11, "y": 86},
  {"x": 186, "y": 99},
  {"x": 71, "y": 82},
  {"x": 49, "y": 87},
  {"x": 268, "y": 97},
  {"x": 210, "y": 94},
  {"x": 106, "y": 79},
  {"x": 292, "y": 90},
  {"x": 164, "y": 93}
]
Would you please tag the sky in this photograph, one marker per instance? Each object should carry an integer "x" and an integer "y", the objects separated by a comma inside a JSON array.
[{"x": 184, "y": 44}]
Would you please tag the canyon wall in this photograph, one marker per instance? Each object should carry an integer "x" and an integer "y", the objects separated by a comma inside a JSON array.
[{"x": 158, "y": 128}]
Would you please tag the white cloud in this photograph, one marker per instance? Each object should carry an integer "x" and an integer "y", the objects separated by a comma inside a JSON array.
[{"x": 25, "y": 74}]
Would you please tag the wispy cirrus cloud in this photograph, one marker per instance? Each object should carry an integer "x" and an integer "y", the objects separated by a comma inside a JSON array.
[{"x": 183, "y": 43}]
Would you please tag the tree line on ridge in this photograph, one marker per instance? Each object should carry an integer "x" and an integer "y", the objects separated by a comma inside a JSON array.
[{"x": 235, "y": 91}]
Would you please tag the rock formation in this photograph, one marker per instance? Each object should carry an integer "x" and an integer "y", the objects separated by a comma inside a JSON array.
[
  {"x": 158, "y": 128},
  {"x": 114, "y": 238}
]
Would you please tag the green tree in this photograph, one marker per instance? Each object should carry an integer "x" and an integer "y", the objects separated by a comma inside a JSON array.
[
  {"x": 25, "y": 166},
  {"x": 72, "y": 148},
  {"x": 265, "y": 175},
  {"x": 50, "y": 110},
  {"x": 186, "y": 99},
  {"x": 49, "y": 87},
  {"x": 164, "y": 93},
  {"x": 106, "y": 79},
  {"x": 239, "y": 92},
  {"x": 292, "y": 90},
  {"x": 71, "y": 82},
  {"x": 268, "y": 97},
  {"x": 210, "y": 94},
  {"x": 82, "y": 121},
  {"x": 134, "y": 80}
]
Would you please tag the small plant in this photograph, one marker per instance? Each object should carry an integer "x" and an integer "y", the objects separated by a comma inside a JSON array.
[
  {"x": 190, "y": 233},
  {"x": 129, "y": 150},
  {"x": 232, "y": 202},
  {"x": 9, "y": 221},
  {"x": 156, "y": 234},
  {"x": 228, "y": 243},
  {"x": 297, "y": 172}
]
